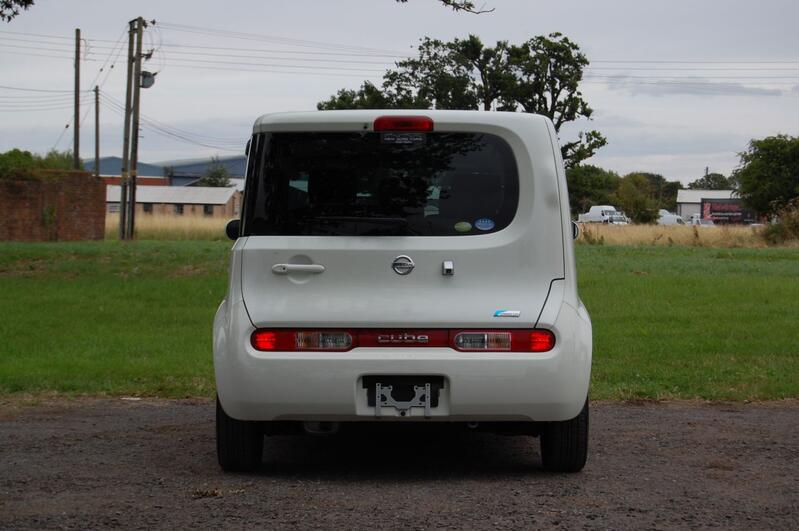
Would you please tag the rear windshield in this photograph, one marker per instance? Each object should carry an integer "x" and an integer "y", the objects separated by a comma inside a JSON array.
[{"x": 379, "y": 184}]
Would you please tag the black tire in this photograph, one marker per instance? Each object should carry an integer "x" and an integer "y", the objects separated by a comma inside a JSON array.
[
  {"x": 564, "y": 445},
  {"x": 239, "y": 444}
]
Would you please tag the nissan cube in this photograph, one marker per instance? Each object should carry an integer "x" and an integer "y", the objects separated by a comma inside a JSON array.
[{"x": 403, "y": 267}]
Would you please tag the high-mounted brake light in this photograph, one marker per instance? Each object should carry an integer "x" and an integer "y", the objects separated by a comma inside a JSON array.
[{"x": 419, "y": 124}]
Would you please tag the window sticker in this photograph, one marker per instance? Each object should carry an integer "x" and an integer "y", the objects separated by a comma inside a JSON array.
[
  {"x": 402, "y": 138},
  {"x": 484, "y": 224},
  {"x": 463, "y": 226}
]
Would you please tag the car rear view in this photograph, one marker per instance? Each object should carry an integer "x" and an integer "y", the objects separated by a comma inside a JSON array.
[{"x": 396, "y": 267}]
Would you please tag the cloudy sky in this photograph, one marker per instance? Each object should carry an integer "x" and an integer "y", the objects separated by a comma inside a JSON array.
[{"x": 676, "y": 86}]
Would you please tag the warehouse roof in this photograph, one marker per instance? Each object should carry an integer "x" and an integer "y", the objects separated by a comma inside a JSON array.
[
  {"x": 190, "y": 195},
  {"x": 696, "y": 196}
]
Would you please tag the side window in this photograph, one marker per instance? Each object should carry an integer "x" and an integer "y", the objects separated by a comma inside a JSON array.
[
  {"x": 178, "y": 209},
  {"x": 208, "y": 210}
]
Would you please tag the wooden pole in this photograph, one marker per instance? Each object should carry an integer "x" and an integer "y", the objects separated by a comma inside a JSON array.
[
  {"x": 123, "y": 188},
  {"x": 76, "y": 119},
  {"x": 96, "y": 131}
]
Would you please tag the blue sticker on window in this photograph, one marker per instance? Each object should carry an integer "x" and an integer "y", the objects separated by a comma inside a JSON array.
[{"x": 484, "y": 224}]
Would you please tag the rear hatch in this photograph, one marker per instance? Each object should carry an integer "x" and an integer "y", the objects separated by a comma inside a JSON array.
[{"x": 360, "y": 230}]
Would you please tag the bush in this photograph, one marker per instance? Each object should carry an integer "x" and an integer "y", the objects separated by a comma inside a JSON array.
[
  {"x": 787, "y": 226},
  {"x": 18, "y": 164}
]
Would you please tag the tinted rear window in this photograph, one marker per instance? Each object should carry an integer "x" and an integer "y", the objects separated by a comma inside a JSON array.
[{"x": 379, "y": 184}]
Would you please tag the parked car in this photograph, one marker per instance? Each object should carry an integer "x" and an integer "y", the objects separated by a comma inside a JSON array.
[
  {"x": 392, "y": 267},
  {"x": 603, "y": 214},
  {"x": 697, "y": 220},
  {"x": 669, "y": 218}
]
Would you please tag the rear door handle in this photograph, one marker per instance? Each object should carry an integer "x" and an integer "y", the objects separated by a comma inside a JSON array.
[{"x": 284, "y": 269}]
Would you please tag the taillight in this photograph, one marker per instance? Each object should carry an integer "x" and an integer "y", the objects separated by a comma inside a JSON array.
[
  {"x": 318, "y": 340},
  {"x": 420, "y": 124},
  {"x": 264, "y": 340},
  {"x": 541, "y": 341},
  {"x": 483, "y": 341},
  {"x": 299, "y": 340},
  {"x": 503, "y": 340},
  {"x": 537, "y": 340}
]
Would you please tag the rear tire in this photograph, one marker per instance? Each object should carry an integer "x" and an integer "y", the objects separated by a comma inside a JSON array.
[
  {"x": 564, "y": 445},
  {"x": 239, "y": 444}
]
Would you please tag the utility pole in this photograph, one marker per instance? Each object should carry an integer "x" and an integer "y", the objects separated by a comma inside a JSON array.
[
  {"x": 123, "y": 188},
  {"x": 134, "y": 143},
  {"x": 76, "y": 119},
  {"x": 96, "y": 131}
]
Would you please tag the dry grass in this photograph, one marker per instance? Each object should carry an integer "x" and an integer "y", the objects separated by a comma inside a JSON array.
[
  {"x": 668, "y": 235},
  {"x": 155, "y": 227}
]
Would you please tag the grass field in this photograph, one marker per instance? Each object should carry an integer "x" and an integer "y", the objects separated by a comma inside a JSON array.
[{"x": 135, "y": 319}]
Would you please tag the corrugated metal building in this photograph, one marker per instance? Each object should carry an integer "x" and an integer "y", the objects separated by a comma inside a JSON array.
[
  {"x": 181, "y": 200},
  {"x": 722, "y": 206}
]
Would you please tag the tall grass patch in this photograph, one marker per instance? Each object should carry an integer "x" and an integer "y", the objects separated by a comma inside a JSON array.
[{"x": 161, "y": 227}]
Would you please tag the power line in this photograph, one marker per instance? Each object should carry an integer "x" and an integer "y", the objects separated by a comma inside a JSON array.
[{"x": 271, "y": 38}]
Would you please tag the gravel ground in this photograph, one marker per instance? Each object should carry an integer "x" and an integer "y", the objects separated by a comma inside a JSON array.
[{"x": 94, "y": 463}]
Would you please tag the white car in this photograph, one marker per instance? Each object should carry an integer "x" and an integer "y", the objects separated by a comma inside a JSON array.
[
  {"x": 669, "y": 218},
  {"x": 603, "y": 214},
  {"x": 396, "y": 267}
]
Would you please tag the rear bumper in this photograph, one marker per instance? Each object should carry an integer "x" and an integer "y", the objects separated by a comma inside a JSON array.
[{"x": 255, "y": 385}]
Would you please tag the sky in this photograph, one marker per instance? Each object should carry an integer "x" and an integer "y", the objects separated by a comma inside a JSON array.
[{"x": 676, "y": 86}]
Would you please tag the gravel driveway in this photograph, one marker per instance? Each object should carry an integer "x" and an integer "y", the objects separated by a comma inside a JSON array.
[{"x": 152, "y": 463}]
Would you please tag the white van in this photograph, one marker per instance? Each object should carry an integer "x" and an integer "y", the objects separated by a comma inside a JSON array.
[{"x": 401, "y": 266}]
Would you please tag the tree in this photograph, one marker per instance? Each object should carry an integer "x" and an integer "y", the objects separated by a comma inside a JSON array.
[
  {"x": 460, "y": 5},
  {"x": 10, "y": 8},
  {"x": 661, "y": 191},
  {"x": 768, "y": 178},
  {"x": 635, "y": 198},
  {"x": 711, "y": 181},
  {"x": 589, "y": 186},
  {"x": 16, "y": 161},
  {"x": 216, "y": 175},
  {"x": 540, "y": 76}
]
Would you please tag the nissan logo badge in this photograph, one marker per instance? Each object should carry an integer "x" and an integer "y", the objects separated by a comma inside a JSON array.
[{"x": 402, "y": 265}]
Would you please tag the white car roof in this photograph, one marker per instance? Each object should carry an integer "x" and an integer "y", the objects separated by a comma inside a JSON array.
[{"x": 362, "y": 120}]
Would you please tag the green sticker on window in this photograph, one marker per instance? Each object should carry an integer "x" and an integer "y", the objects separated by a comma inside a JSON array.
[{"x": 463, "y": 226}]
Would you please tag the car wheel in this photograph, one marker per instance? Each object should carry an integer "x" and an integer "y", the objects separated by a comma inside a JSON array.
[
  {"x": 239, "y": 444},
  {"x": 564, "y": 445}
]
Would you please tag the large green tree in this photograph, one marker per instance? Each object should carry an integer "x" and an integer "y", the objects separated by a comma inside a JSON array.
[
  {"x": 634, "y": 197},
  {"x": 711, "y": 181},
  {"x": 661, "y": 191},
  {"x": 11, "y": 8},
  {"x": 768, "y": 177},
  {"x": 539, "y": 76},
  {"x": 589, "y": 186}
]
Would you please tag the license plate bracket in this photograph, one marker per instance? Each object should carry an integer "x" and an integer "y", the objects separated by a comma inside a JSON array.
[{"x": 403, "y": 393}]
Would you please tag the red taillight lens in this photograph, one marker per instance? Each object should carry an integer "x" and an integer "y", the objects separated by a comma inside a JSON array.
[
  {"x": 264, "y": 340},
  {"x": 541, "y": 341},
  {"x": 420, "y": 124}
]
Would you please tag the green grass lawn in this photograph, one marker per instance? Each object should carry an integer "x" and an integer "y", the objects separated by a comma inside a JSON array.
[{"x": 135, "y": 319}]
